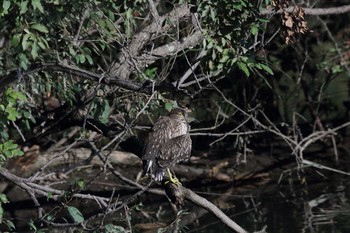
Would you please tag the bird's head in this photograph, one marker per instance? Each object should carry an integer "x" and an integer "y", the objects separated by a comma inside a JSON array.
[{"x": 181, "y": 114}]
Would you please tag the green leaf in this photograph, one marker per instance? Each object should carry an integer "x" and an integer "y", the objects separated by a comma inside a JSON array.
[
  {"x": 110, "y": 228},
  {"x": 23, "y": 61},
  {"x": 254, "y": 30},
  {"x": 12, "y": 113},
  {"x": 35, "y": 49},
  {"x": 5, "y": 6},
  {"x": 40, "y": 28},
  {"x": 3, "y": 198},
  {"x": 32, "y": 225},
  {"x": 15, "y": 40},
  {"x": 41, "y": 45},
  {"x": 106, "y": 111},
  {"x": 242, "y": 66},
  {"x": 44, "y": 41},
  {"x": 77, "y": 59},
  {"x": 9, "y": 224},
  {"x": 37, "y": 5},
  {"x": 17, "y": 152},
  {"x": 7, "y": 154},
  {"x": 9, "y": 145},
  {"x": 89, "y": 59},
  {"x": 224, "y": 58},
  {"x": 25, "y": 42},
  {"x": 169, "y": 106},
  {"x": 267, "y": 69},
  {"x": 82, "y": 58},
  {"x": 49, "y": 195},
  {"x": 81, "y": 184},
  {"x": 72, "y": 51},
  {"x": 45, "y": 230},
  {"x": 49, "y": 217},
  {"x": 23, "y": 7},
  {"x": 75, "y": 214},
  {"x": 1, "y": 213}
]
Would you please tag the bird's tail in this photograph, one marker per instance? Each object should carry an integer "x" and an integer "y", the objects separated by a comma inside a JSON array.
[
  {"x": 149, "y": 168},
  {"x": 146, "y": 166}
]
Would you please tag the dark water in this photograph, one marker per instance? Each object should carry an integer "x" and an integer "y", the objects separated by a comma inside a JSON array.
[
  {"x": 297, "y": 204},
  {"x": 320, "y": 205}
]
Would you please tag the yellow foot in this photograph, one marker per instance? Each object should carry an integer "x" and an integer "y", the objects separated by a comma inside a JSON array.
[{"x": 172, "y": 179}]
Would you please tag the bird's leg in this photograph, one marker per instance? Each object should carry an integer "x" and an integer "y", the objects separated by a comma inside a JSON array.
[{"x": 172, "y": 178}]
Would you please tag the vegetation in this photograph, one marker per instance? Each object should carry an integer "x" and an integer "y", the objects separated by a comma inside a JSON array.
[{"x": 81, "y": 81}]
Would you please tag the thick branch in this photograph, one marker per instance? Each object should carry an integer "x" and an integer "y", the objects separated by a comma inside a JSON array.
[
  {"x": 68, "y": 69},
  {"x": 30, "y": 186},
  {"x": 90, "y": 75},
  {"x": 177, "y": 194},
  {"x": 200, "y": 201},
  {"x": 72, "y": 156},
  {"x": 313, "y": 11},
  {"x": 169, "y": 49},
  {"x": 125, "y": 63}
]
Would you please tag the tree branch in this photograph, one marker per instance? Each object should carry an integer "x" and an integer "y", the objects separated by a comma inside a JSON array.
[
  {"x": 169, "y": 49},
  {"x": 210, "y": 207},
  {"x": 125, "y": 63},
  {"x": 177, "y": 194},
  {"x": 313, "y": 11}
]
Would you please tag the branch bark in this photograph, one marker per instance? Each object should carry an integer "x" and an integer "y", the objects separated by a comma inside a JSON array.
[
  {"x": 313, "y": 11},
  {"x": 210, "y": 207},
  {"x": 177, "y": 194},
  {"x": 169, "y": 49},
  {"x": 126, "y": 63}
]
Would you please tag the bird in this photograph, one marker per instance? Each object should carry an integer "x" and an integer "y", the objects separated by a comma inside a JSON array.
[{"x": 167, "y": 144}]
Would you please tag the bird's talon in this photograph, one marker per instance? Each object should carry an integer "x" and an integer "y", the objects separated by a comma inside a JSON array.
[{"x": 172, "y": 179}]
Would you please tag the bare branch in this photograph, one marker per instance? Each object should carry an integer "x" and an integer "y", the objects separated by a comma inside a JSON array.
[
  {"x": 313, "y": 11},
  {"x": 177, "y": 194},
  {"x": 32, "y": 187},
  {"x": 169, "y": 49},
  {"x": 124, "y": 65},
  {"x": 198, "y": 200},
  {"x": 154, "y": 12}
]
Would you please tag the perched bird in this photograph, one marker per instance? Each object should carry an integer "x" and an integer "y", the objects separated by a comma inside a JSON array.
[{"x": 168, "y": 143}]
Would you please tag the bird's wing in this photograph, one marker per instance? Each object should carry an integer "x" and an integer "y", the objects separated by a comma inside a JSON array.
[
  {"x": 159, "y": 135},
  {"x": 177, "y": 149}
]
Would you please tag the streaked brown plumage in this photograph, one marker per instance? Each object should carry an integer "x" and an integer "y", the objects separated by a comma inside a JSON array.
[{"x": 168, "y": 143}]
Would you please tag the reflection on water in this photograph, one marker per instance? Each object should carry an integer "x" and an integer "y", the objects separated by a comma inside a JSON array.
[
  {"x": 319, "y": 207},
  {"x": 312, "y": 205}
]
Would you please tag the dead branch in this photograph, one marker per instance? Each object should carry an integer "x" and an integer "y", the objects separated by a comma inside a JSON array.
[
  {"x": 75, "y": 155},
  {"x": 125, "y": 64},
  {"x": 32, "y": 188},
  {"x": 178, "y": 193},
  {"x": 313, "y": 11},
  {"x": 169, "y": 49}
]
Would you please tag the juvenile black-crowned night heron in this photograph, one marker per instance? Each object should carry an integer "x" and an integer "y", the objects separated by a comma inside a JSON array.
[{"x": 168, "y": 143}]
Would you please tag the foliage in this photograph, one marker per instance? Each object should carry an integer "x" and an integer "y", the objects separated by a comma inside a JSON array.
[
  {"x": 9, "y": 113},
  {"x": 8, "y": 106},
  {"x": 231, "y": 27},
  {"x": 75, "y": 214},
  {"x": 8, "y": 223},
  {"x": 3, "y": 199},
  {"x": 63, "y": 58},
  {"x": 9, "y": 150}
]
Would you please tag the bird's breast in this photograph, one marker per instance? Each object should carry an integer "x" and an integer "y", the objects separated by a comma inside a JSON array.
[{"x": 181, "y": 128}]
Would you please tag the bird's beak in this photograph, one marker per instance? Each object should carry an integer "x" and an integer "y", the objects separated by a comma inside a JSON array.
[{"x": 191, "y": 119}]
